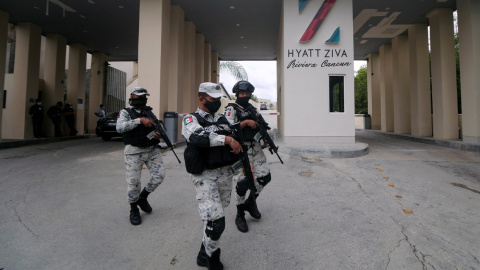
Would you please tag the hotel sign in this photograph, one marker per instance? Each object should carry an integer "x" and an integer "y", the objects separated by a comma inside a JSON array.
[{"x": 318, "y": 57}]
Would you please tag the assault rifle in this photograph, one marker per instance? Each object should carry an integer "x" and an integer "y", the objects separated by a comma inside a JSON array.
[
  {"x": 263, "y": 134},
  {"x": 160, "y": 128},
  {"x": 249, "y": 181}
]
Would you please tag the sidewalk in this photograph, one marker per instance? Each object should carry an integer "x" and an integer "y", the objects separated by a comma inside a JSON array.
[
  {"x": 356, "y": 150},
  {"x": 455, "y": 144},
  {"x": 9, "y": 143}
]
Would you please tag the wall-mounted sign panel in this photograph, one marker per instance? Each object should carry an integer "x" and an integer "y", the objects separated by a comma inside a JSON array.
[{"x": 318, "y": 75}]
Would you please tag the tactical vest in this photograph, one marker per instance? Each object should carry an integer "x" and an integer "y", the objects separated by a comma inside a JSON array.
[
  {"x": 246, "y": 114},
  {"x": 198, "y": 158},
  {"x": 138, "y": 136}
]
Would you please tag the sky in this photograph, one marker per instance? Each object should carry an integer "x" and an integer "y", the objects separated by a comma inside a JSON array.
[{"x": 263, "y": 75}]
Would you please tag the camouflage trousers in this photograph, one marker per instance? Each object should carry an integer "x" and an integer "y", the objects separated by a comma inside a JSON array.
[
  {"x": 134, "y": 164},
  {"x": 260, "y": 169},
  {"x": 213, "y": 191}
]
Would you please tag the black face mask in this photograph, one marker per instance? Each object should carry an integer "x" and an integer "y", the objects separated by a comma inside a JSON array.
[
  {"x": 140, "y": 101},
  {"x": 243, "y": 101},
  {"x": 212, "y": 106}
]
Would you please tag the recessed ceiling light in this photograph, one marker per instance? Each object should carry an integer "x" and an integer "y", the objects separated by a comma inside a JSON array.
[
  {"x": 85, "y": 31},
  {"x": 117, "y": 47},
  {"x": 232, "y": 7},
  {"x": 36, "y": 7},
  {"x": 245, "y": 47},
  {"x": 387, "y": 8},
  {"x": 237, "y": 24},
  {"x": 363, "y": 41},
  {"x": 91, "y": 2},
  {"x": 241, "y": 37},
  {"x": 121, "y": 7},
  {"x": 81, "y": 16}
]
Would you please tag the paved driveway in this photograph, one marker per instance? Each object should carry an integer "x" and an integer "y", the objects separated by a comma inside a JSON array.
[{"x": 405, "y": 205}]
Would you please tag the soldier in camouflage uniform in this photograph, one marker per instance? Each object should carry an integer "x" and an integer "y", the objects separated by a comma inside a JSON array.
[
  {"x": 242, "y": 111},
  {"x": 141, "y": 147},
  {"x": 211, "y": 149}
]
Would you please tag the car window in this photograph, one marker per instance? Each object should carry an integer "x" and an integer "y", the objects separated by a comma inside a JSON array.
[{"x": 113, "y": 115}]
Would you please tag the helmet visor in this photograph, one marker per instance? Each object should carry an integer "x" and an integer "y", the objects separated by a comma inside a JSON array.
[{"x": 245, "y": 86}]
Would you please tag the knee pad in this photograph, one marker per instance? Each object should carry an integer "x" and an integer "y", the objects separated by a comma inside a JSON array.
[
  {"x": 264, "y": 180},
  {"x": 242, "y": 187},
  {"x": 215, "y": 228}
]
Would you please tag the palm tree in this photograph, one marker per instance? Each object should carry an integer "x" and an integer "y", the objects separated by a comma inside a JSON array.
[{"x": 236, "y": 69}]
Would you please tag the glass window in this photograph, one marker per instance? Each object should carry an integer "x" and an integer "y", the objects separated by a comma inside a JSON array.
[{"x": 336, "y": 90}]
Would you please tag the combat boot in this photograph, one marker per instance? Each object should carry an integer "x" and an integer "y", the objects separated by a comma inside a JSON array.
[
  {"x": 143, "y": 203},
  {"x": 251, "y": 206},
  {"x": 213, "y": 263},
  {"x": 135, "y": 218},
  {"x": 202, "y": 257},
  {"x": 240, "y": 218}
]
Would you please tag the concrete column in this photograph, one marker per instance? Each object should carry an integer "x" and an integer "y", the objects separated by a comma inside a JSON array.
[
  {"x": 386, "y": 88},
  {"x": 420, "y": 100},
  {"x": 3, "y": 55},
  {"x": 153, "y": 52},
  {"x": 214, "y": 77},
  {"x": 469, "y": 42},
  {"x": 199, "y": 62},
  {"x": 207, "y": 62},
  {"x": 77, "y": 60},
  {"x": 189, "y": 88},
  {"x": 54, "y": 76},
  {"x": 176, "y": 59},
  {"x": 175, "y": 76},
  {"x": 444, "y": 86},
  {"x": 17, "y": 123},
  {"x": 373, "y": 84},
  {"x": 401, "y": 84},
  {"x": 97, "y": 88}
]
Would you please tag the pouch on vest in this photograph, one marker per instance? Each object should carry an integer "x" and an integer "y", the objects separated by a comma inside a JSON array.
[
  {"x": 194, "y": 161},
  {"x": 219, "y": 156}
]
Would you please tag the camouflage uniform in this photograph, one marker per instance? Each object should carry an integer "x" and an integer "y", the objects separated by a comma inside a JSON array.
[
  {"x": 213, "y": 187},
  {"x": 255, "y": 156},
  {"x": 135, "y": 157}
]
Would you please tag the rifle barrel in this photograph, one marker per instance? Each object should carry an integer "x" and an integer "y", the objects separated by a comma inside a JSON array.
[
  {"x": 279, "y": 157},
  {"x": 159, "y": 128}
]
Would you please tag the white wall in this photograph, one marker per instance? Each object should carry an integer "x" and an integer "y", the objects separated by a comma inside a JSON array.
[{"x": 308, "y": 120}]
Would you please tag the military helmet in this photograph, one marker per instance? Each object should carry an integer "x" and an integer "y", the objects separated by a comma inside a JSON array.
[{"x": 243, "y": 86}]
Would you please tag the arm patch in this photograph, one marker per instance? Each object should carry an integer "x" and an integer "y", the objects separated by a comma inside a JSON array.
[{"x": 187, "y": 120}]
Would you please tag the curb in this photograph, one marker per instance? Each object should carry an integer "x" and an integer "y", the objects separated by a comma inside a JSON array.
[
  {"x": 468, "y": 147},
  {"x": 20, "y": 143},
  {"x": 327, "y": 150}
]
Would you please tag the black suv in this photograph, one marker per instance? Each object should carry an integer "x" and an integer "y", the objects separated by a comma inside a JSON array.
[{"x": 107, "y": 127}]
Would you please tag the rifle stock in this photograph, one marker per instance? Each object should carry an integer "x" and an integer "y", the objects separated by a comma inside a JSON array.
[{"x": 160, "y": 128}]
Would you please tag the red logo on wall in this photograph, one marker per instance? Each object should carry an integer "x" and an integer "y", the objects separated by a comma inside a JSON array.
[{"x": 317, "y": 20}]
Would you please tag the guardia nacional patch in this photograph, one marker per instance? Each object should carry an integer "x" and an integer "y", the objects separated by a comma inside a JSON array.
[
  {"x": 187, "y": 120},
  {"x": 227, "y": 113}
]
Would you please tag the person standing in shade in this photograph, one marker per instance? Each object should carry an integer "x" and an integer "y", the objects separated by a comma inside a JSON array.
[
  {"x": 211, "y": 149},
  {"x": 69, "y": 114},
  {"x": 55, "y": 114},
  {"x": 36, "y": 111},
  {"x": 141, "y": 147},
  {"x": 100, "y": 113},
  {"x": 245, "y": 113}
]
